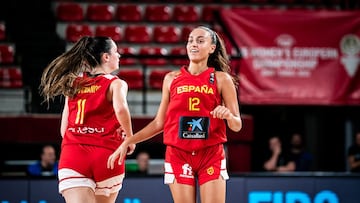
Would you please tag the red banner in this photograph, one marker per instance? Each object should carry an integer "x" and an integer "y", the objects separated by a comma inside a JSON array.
[{"x": 297, "y": 56}]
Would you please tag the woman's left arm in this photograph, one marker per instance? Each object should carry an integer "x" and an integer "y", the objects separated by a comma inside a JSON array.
[
  {"x": 64, "y": 118},
  {"x": 230, "y": 108}
]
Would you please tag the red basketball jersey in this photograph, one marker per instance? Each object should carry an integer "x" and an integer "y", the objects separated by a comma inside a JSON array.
[
  {"x": 92, "y": 118},
  {"x": 188, "y": 123}
]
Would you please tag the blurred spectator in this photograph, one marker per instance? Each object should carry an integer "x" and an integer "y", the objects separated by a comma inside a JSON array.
[
  {"x": 142, "y": 160},
  {"x": 303, "y": 159},
  {"x": 278, "y": 160},
  {"x": 47, "y": 165},
  {"x": 354, "y": 154}
]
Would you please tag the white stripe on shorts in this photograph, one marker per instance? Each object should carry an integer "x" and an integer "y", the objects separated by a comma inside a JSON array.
[{"x": 69, "y": 178}]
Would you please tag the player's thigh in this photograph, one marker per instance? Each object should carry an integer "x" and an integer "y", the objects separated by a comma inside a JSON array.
[
  {"x": 213, "y": 191},
  {"x": 79, "y": 195},
  {"x": 182, "y": 193},
  {"x": 106, "y": 199}
]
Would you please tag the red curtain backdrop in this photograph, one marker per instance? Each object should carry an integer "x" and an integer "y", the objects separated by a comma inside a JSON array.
[{"x": 297, "y": 57}]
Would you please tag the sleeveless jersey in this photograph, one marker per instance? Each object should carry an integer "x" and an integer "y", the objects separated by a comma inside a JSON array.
[
  {"x": 92, "y": 119},
  {"x": 188, "y": 124}
]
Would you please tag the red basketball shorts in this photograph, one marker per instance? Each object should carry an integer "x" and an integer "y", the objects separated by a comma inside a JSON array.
[
  {"x": 86, "y": 166},
  {"x": 204, "y": 165}
]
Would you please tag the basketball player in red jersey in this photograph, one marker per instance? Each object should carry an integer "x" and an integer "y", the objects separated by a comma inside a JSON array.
[
  {"x": 196, "y": 102},
  {"x": 95, "y": 119}
]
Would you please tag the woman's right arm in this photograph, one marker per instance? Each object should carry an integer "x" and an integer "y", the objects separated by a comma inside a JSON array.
[
  {"x": 150, "y": 130},
  {"x": 118, "y": 94},
  {"x": 156, "y": 126}
]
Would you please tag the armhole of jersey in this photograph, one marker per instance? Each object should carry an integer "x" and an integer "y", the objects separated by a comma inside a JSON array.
[
  {"x": 111, "y": 80},
  {"x": 178, "y": 73}
]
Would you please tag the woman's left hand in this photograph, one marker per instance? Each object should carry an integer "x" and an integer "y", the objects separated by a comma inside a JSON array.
[{"x": 221, "y": 112}]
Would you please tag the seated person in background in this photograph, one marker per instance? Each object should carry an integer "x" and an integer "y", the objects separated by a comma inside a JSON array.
[
  {"x": 47, "y": 165},
  {"x": 279, "y": 160},
  {"x": 303, "y": 159},
  {"x": 354, "y": 154},
  {"x": 142, "y": 160}
]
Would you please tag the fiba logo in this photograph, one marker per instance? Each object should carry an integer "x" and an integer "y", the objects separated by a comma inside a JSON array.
[{"x": 325, "y": 196}]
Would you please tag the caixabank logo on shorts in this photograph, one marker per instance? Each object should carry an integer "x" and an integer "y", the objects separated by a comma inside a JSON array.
[{"x": 194, "y": 127}]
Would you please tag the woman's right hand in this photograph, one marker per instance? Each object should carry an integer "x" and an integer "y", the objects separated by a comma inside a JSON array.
[{"x": 131, "y": 149}]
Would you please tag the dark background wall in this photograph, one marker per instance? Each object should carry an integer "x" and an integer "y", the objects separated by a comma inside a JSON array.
[
  {"x": 31, "y": 25},
  {"x": 324, "y": 128}
]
